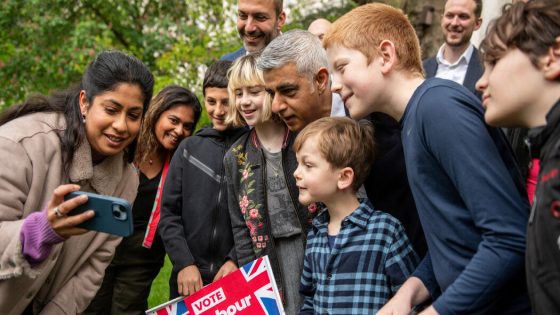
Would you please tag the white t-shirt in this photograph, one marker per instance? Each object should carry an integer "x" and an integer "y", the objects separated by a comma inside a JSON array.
[{"x": 337, "y": 107}]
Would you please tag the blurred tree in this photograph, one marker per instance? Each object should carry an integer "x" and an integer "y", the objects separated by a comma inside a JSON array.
[{"x": 46, "y": 44}]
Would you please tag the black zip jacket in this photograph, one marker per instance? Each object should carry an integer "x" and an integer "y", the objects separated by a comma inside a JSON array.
[
  {"x": 543, "y": 234},
  {"x": 195, "y": 225}
]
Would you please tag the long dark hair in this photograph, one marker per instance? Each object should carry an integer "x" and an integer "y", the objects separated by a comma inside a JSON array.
[
  {"x": 104, "y": 74},
  {"x": 169, "y": 97}
]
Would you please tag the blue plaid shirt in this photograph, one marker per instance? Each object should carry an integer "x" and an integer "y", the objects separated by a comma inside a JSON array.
[{"x": 370, "y": 259}]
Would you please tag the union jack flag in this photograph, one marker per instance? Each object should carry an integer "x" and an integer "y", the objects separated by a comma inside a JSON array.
[{"x": 249, "y": 290}]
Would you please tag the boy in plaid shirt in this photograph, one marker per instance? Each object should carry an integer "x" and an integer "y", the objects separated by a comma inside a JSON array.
[{"x": 356, "y": 257}]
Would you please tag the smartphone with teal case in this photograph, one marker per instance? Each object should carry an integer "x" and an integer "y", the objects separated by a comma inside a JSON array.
[{"x": 112, "y": 215}]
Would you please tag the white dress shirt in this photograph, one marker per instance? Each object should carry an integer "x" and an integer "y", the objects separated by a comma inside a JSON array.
[{"x": 456, "y": 71}]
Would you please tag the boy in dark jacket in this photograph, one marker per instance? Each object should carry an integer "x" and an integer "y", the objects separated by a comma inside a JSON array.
[
  {"x": 195, "y": 225},
  {"x": 521, "y": 88}
]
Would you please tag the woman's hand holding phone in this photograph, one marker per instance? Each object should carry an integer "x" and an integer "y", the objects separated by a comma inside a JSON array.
[{"x": 63, "y": 224}]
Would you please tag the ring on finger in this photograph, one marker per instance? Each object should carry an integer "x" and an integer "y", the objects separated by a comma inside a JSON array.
[{"x": 58, "y": 213}]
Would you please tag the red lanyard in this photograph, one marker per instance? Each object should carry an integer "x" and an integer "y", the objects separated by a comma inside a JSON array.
[{"x": 154, "y": 217}]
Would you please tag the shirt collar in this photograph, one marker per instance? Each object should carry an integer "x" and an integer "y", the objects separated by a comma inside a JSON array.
[
  {"x": 359, "y": 217},
  {"x": 466, "y": 56}
]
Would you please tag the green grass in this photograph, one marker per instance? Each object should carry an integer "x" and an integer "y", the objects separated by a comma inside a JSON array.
[{"x": 160, "y": 287}]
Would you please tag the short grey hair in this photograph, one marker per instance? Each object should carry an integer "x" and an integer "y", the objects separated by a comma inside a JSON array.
[{"x": 296, "y": 46}]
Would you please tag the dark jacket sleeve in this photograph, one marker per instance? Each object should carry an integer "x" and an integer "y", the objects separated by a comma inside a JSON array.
[
  {"x": 242, "y": 239},
  {"x": 171, "y": 226}
]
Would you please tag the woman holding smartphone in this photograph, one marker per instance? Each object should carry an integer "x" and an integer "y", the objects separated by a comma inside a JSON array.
[
  {"x": 83, "y": 138},
  {"x": 172, "y": 116}
]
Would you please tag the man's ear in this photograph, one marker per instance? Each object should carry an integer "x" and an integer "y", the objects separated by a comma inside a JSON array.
[
  {"x": 345, "y": 178},
  {"x": 551, "y": 65},
  {"x": 387, "y": 56},
  {"x": 322, "y": 80},
  {"x": 281, "y": 20},
  {"x": 477, "y": 24}
]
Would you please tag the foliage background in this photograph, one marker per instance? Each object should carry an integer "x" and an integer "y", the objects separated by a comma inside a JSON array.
[{"x": 46, "y": 44}]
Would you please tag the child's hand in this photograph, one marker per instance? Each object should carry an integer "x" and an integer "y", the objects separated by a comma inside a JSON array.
[
  {"x": 227, "y": 268},
  {"x": 412, "y": 292},
  {"x": 430, "y": 311},
  {"x": 395, "y": 307},
  {"x": 189, "y": 280}
]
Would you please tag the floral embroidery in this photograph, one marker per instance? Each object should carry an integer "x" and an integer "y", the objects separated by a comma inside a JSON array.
[
  {"x": 243, "y": 204},
  {"x": 254, "y": 213},
  {"x": 251, "y": 210}
]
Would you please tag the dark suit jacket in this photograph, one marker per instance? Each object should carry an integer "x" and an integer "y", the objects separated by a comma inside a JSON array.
[
  {"x": 234, "y": 55},
  {"x": 474, "y": 71}
]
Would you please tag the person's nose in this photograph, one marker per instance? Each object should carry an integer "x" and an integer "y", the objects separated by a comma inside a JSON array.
[
  {"x": 277, "y": 104},
  {"x": 336, "y": 86},
  {"x": 297, "y": 173},
  {"x": 120, "y": 123},
  {"x": 251, "y": 25},
  {"x": 220, "y": 109},
  {"x": 455, "y": 20},
  {"x": 180, "y": 131},
  {"x": 244, "y": 100},
  {"x": 482, "y": 83}
]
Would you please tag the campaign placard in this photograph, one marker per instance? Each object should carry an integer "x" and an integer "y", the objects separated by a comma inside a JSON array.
[{"x": 249, "y": 290}]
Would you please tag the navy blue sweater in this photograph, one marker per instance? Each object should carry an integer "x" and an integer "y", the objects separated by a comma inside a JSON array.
[{"x": 470, "y": 200}]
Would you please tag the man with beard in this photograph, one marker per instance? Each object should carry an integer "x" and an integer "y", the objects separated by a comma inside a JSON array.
[
  {"x": 258, "y": 23},
  {"x": 457, "y": 59}
]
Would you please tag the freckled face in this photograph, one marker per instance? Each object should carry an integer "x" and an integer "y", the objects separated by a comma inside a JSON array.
[{"x": 359, "y": 83}]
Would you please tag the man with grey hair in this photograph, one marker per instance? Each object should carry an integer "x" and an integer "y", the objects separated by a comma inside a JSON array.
[
  {"x": 295, "y": 72},
  {"x": 296, "y": 76}
]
